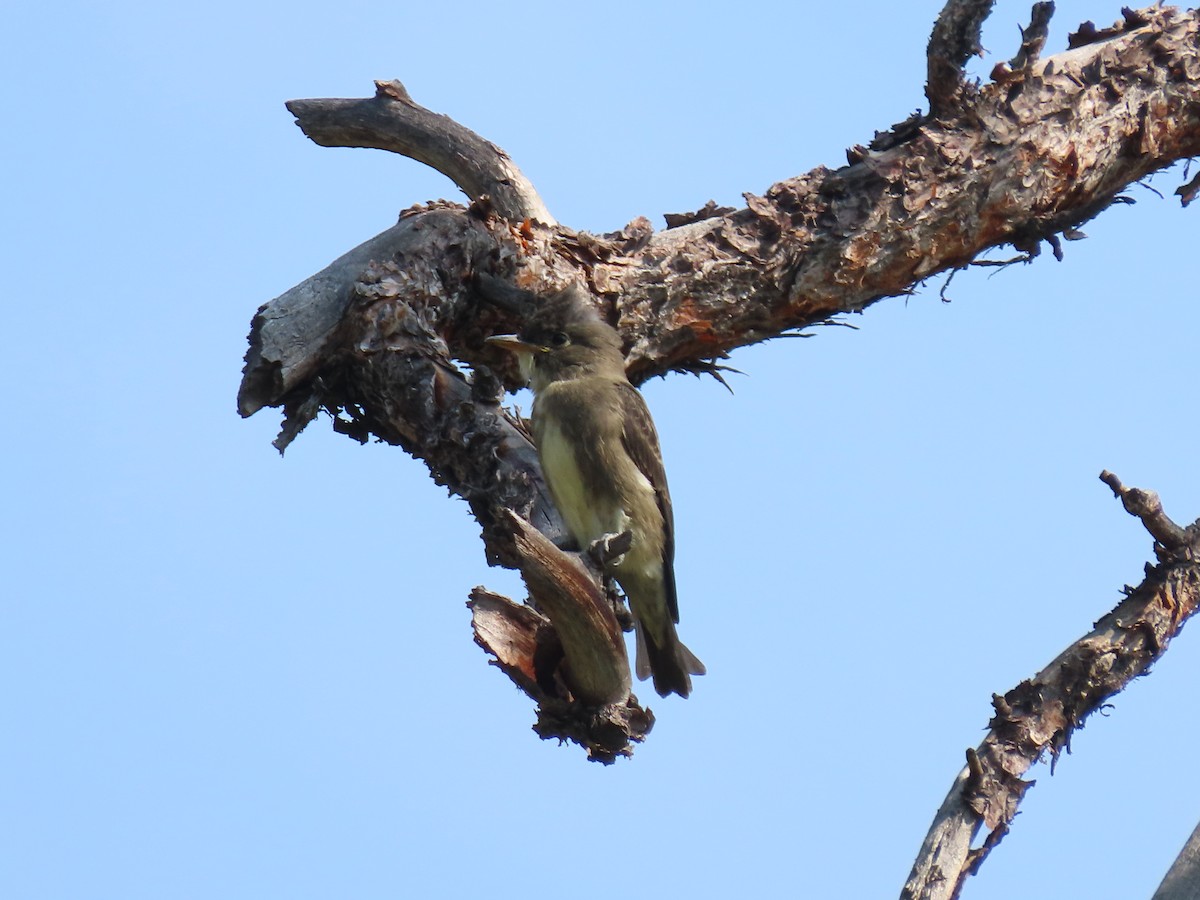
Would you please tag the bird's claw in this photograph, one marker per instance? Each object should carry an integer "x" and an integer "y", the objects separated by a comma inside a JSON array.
[{"x": 610, "y": 548}]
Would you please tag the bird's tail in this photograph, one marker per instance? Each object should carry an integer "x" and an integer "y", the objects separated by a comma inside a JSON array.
[{"x": 669, "y": 662}]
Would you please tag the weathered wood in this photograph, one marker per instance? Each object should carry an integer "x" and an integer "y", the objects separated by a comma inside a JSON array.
[
  {"x": 377, "y": 337},
  {"x": 955, "y": 39},
  {"x": 1039, "y": 715},
  {"x": 1016, "y": 164},
  {"x": 1033, "y": 38},
  {"x": 391, "y": 120},
  {"x": 390, "y": 375},
  {"x": 568, "y": 655},
  {"x": 1147, "y": 506},
  {"x": 509, "y": 632},
  {"x": 289, "y": 336},
  {"x": 526, "y": 648},
  {"x": 1182, "y": 881},
  {"x": 1020, "y": 162},
  {"x": 597, "y": 671}
]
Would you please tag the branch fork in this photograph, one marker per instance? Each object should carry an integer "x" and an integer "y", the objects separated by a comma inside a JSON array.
[{"x": 390, "y": 337}]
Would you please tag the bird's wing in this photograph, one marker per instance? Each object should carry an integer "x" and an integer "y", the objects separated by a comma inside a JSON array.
[{"x": 641, "y": 443}]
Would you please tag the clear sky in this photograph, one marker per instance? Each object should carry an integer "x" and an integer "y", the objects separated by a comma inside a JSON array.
[{"x": 228, "y": 675}]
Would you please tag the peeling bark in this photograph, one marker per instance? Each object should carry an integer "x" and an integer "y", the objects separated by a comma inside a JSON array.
[
  {"x": 954, "y": 41},
  {"x": 389, "y": 338},
  {"x": 1040, "y": 714},
  {"x": 1018, "y": 163}
]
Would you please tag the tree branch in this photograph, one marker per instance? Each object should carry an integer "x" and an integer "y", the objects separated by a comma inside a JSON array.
[
  {"x": 1039, "y": 715},
  {"x": 387, "y": 372},
  {"x": 955, "y": 39},
  {"x": 1019, "y": 163},
  {"x": 593, "y": 643},
  {"x": 571, "y": 660},
  {"x": 1182, "y": 881},
  {"x": 289, "y": 336},
  {"x": 520, "y": 638},
  {"x": 1016, "y": 165},
  {"x": 391, "y": 120},
  {"x": 376, "y": 338},
  {"x": 1033, "y": 38},
  {"x": 1147, "y": 507}
]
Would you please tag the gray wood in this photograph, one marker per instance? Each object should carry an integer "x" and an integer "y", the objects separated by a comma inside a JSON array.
[
  {"x": 1182, "y": 881},
  {"x": 391, "y": 334},
  {"x": 289, "y": 335},
  {"x": 392, "y": 121}
]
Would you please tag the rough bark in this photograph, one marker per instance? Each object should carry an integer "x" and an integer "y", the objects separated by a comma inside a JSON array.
[
  {"x": 954, "y": 41},
  {"x": 379, "y": 339},
  {"x": 1039, "y": 715}
]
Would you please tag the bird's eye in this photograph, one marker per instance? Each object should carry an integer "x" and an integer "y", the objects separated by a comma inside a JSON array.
[{"x": 559, "y": 338}]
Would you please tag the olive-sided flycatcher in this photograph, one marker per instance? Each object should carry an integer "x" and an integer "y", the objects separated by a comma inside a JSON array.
[{"x": 600, "y": 456}]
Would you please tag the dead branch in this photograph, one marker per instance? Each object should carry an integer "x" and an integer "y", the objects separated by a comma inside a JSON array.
[
  {"x": 378, "y": 339},
  {"x": 955, "y": 39},
  {"x": 597, "y": 671},
  {"x": 1040, "y": 714},
  {"x": 289, "y": 335},
  {"x": 570, "y": 656},
  {"x": 1182, "y": 881},
  {"x": 391, "y": 120},
  {"x": 1015, "y": 164},
  {"x": 1033, "y": 38},
  {"x": 1147, "y": 507},
  {"x": 526, "y": 648}
]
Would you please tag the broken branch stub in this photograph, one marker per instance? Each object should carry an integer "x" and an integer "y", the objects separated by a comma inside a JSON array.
[
  {"x": 954, "y": 40},
  {"x": 593, "y": 644}
]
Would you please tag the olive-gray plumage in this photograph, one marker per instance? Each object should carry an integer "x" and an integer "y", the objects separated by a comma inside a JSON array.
[{"x": 600, "y": 455}]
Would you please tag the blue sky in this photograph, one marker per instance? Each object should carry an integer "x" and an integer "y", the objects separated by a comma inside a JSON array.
[{"x": 228, "y": 675}]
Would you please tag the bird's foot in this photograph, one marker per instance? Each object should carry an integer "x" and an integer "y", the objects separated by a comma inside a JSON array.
[{"x": 609, "y": 548}]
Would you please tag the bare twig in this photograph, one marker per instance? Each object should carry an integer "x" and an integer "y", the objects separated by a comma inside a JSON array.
[
  {"x": 946, "y": 284},
  {"x": 1147, "y": 186},
  {"x": 392, "y": 121},
  {"x": 1039, "y": 715}
]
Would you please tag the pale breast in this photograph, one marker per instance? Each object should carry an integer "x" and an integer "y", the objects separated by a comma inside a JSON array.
[{"x": 587, "y": 516}]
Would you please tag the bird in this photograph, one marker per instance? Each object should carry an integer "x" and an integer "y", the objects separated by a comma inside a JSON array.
[{"x": 601, "y": 459}]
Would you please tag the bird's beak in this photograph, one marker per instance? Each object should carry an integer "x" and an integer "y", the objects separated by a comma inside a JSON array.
[{"x": 511, "y": 342}]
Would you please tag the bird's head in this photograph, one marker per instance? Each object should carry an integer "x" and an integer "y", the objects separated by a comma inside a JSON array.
[{"x": 564, "y": 338}]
